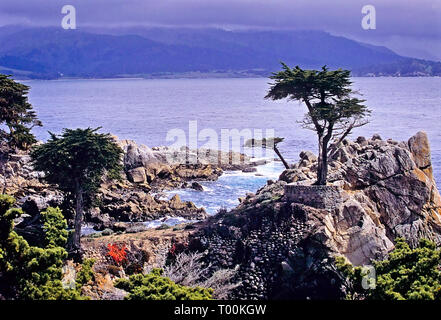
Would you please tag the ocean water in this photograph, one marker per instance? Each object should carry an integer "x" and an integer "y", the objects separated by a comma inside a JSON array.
[
  {"x": 146, "y": 110},
  {"x": 224, "y": 192}
]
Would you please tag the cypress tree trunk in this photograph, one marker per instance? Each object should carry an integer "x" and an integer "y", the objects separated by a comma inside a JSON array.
[
  {"x": 281, "y": 158},
  {"x": 75, "y": 248},
  {"x": 322, "y": 166},
  {"x": 322, "y": 175},
  {"x": 319, "y": 160}
]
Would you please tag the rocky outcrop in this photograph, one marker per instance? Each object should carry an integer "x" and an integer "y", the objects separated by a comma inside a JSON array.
[
  {"x": 392, "y": 184},
  {"x": 147, "y": 171},
  {"x": 130, "y": 200},
  {"x": 163, "y": 167},
  {"x": 18, "y": 178},
  {"x": 286, "y": 236},
  {"x": 134, "y": 205},
  {"x": 117, "y": 201}
]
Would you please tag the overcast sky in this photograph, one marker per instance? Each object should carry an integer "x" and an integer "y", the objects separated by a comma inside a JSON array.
[{"x": 410, "y": 27}]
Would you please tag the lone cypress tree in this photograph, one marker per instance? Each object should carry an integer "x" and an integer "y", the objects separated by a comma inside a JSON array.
[
  {"x": 16, "y": 113},
  {"x": 332, "y": 110},
  {"x": 76, "y": 161}
]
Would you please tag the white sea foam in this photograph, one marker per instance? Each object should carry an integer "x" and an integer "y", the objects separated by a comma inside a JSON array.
[{"x": 170, "y": 221}]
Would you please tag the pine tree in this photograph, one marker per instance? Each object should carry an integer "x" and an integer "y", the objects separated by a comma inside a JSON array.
[
  {"x": 16, "y": 114},
  {"x": 76, "y": 161}
]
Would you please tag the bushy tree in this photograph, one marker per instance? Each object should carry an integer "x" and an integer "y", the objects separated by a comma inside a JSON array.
[
  {"x": 408, "y": 274},
  {"x": 332, "y": 110},
  {"x": 154, "y": 286},
  {"x": 28, "y": 272},
  {"x": 16, "y": 114},
  {"x": 76, "y": 161}
]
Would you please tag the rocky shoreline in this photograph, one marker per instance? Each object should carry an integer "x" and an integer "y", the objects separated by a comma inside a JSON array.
[
  {"x": 137, "y": 197},
  {"x": 282, "y": 240}
]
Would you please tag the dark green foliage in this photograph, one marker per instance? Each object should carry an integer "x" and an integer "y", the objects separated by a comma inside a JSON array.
[
  {"x": 16, "y": 114},
  {"x": 86, "y": 273},
  {"x": 54, "y": 227},
  {"x": 264, "y": 143},
  {"x": 28, "y": 272},
  {"x": 76, "y": 161},
  {"x": 78, "y": 156},
  {"x": 408, "y": 274},
  {"x": 155, "y": 287},
  {"x": 327, "y": 94}
]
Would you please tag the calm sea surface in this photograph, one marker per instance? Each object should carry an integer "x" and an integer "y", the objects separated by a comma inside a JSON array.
[{"x": 145, "y": 110}]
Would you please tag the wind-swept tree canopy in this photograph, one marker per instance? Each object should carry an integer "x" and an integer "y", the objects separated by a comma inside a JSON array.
[
  {"x": 76, "y": 161},
  {"x": 332, "y": 110},
  {"x": 16, "y": 114}
]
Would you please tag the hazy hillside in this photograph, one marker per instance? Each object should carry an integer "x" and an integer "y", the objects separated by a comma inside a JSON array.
[{"x": 54, "y": 53}]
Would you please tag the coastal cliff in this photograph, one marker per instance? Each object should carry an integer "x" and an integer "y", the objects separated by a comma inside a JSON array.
[{"x": 286, "y": 236}]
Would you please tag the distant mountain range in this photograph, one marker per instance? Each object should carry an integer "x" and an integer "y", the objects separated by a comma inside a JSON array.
[{"x": 51, "y": 53}]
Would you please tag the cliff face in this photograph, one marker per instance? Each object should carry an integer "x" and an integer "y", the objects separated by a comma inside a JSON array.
[
  {"x": 387, "y": 190},
  {"x": 286, "y": 236}
]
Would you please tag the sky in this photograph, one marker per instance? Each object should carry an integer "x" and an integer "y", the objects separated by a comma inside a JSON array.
[{"x": 409, "y": 27}]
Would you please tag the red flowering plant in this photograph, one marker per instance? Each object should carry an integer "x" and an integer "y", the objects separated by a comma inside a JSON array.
[{"x": 118, "y": 255}]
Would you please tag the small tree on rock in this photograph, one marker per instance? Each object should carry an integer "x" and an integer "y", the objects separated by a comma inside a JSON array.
[
  {"x": 76, "y": 161},
  {"x": 332, "y": 110},
  {"x": 268, "y": 143}
]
